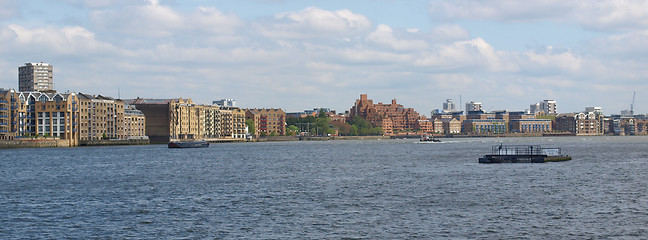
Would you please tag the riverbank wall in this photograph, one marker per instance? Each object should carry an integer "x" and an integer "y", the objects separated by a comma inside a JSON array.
[
  {"x": 115, "y": 142},
  {"x": 35, "y": 143}
]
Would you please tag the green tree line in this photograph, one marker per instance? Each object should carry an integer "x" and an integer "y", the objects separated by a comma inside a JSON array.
[{"x": 322, "y": 125}]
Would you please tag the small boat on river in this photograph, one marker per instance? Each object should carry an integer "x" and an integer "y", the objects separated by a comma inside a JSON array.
[
  {"x": 188, "y": 144},
  {"x": 426, "y": 138},
  {"x": 523, "y": 154}
]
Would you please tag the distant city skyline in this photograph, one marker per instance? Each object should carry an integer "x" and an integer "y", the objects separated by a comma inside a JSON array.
[{"x": 303, "y": 54}]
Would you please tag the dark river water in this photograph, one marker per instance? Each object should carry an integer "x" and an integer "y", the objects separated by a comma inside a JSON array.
[{"x": 377, "y": 189}]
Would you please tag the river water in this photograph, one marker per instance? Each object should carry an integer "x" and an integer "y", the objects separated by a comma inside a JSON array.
[{"x": 373, "y": 189}]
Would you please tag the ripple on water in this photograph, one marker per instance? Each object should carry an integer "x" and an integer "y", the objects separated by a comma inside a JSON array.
[{"x": 394, "y": 189}]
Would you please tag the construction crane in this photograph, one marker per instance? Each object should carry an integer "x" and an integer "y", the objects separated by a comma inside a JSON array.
[{"x": 632, "y": 105}]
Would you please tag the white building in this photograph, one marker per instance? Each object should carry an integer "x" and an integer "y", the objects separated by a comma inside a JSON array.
[
  {"x": 225, "y": 103},
  {"x": 546, "y": 106},
  {"x": 473, "y": 106}
]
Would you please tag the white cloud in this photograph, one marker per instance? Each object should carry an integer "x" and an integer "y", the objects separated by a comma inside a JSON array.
[
  {"x": 607, "y": 15},
  {"x": 156, "y": 21},
  {"x": 550, "y": 63},
  {"x": 100, "y": 3},
  {"x": 629, "y": 45},
  {"x": 510, "y": 10},
  {"x": 324, "y": 57},
  {"x": 143, "y": 21},
  {"x": 214, "y": 21},
  {"x": 314, "y": 23},
  {"x": 468, "y": 55},
  {"x": 52, "y": 40},
  {"x": 384, "y": 36}
]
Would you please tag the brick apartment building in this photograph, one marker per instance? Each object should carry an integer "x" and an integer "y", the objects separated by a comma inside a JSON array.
[
  {"x": 267, "y": 121},
  {"x": 390, "y": 117}
]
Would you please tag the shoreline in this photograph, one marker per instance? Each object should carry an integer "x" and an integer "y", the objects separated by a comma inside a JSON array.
[{"x": 53, "y": 143}]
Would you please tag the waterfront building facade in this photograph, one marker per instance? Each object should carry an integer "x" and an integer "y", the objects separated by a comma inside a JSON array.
[
  {"x": 227, "y": 121},
  {"x": 451, "y": 125},
  {"x": 239, "y": 128},
  {"x": 101, "y": 118},
  {"x": 425, "y": 125},
  {"x": 390, "y": 117},
  {"x": 484, "y": 126},
  {"x": 267, "y": 122},
  {"x": 438, "y": 125},
  {"x": 49, "y": 114},
  {"x": 10, "y": 109},
  {"x": 211, "y": 121},
  {"x": 530, "y": 125},
  {"x": 33, "y": 114},
  {"x": 35, "y": 77},
  {"x": 580, "y": 123},
  {"x": 134, "y": 123},
  {"x": 168, "y": 119}
]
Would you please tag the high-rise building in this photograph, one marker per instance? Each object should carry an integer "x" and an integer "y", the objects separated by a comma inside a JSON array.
[
  {"x": 35, "y": 77},
  {"x": 473, "y": 106},
  {"x": 546, "y": 106},
  {"x": 549, "y": 106},
  {"x": 449, "y": 106}
]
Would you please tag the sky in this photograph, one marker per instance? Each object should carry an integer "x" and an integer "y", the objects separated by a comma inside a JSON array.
[{"x": 305, "y": 54}]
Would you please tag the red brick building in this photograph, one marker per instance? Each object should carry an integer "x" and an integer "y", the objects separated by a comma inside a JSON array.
[{"x": 390, "y": 117}]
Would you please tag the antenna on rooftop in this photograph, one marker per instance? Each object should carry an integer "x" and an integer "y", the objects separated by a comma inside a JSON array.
[
  {"x": 633, "y": 102},
  {"x": 118, "y": 94},
  {"x": 460, "y": 103}
]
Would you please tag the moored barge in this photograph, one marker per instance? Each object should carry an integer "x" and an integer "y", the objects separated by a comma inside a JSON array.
[
  {"x": 523, "y": 154},
  {"x": 188, "y": 144}
]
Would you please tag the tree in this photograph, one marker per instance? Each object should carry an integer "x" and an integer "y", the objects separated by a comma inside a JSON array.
[
  {"x": 250, "y": 124},
  {"x": 292, "y": 130},
  {"x": 321, "y": 126},
  {"x": 322, "y": 114}
]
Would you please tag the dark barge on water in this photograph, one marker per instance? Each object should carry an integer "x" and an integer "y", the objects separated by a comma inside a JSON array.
[{"x": 523, "y": 154}]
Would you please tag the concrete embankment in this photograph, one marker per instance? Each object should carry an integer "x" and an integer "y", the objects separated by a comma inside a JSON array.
[
  {"x": 315, "y": 138},
  {"x": 115, "y": 142},
  {"x": 36, "y": 143}
]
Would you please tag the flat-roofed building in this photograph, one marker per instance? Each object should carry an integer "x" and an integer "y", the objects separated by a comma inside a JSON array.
[
  {"x": 169, "y": 119},
  {"x": 530, "y": 125},
  {"x": 267, "y": 122},
  {"x": 481, "y": 126},
  {"x": 101, "y": 117},
  {"x": 425, "y": 125},
  {"x": 227, "y": 122},
  {"x": 10, "y": 109},
  {"x": 227, "y": 103},
  {"x": 134, "y": 123},
  {"x": 239, "y": 127},
  {"x": 473, "y": 106},
  {"x": 34, "y": 77}
]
